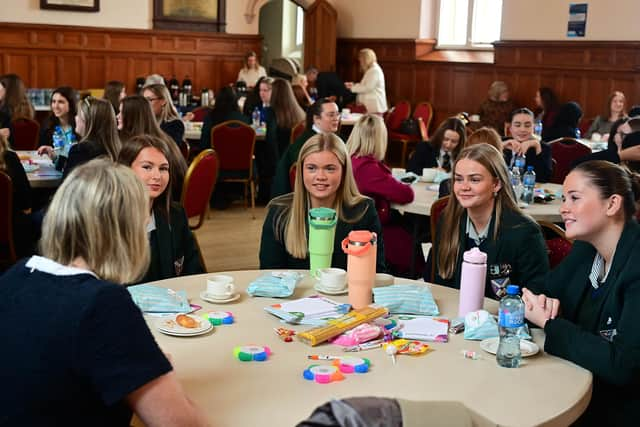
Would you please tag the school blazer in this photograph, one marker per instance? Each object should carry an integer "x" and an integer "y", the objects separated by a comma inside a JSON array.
[{"x": 615, "y": 360}]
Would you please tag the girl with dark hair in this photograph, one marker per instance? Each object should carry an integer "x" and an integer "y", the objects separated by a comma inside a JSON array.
[
  {"x": 61, "y": 121},
  {"x": 565, "y": 123},
  {"x": 174, "y": 251},
  {"x": 442, "y": 149},
  {"x": 523, "y": 142},
  {"x": 115, "y": 92},
  {"x": 13, "y": 98},
  {"x": 588, "y": 305},
  {"x": 546, "y": 106},
  {"x": 225, "y": 108}
]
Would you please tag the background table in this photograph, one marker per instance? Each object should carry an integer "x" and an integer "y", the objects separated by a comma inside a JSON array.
[
  {"x": 195, "y": 132},
  {"x": 427, "y": 193},
  {"x": 545, "y": 390},
  {"x": 46, "y": 176}
]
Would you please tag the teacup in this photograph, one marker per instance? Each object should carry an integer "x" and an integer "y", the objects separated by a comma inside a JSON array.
[
  {"x": 346, "y": 112},
  {"x": 474, "y": 118},
  {"x": 220, "y": 286},
  {"x": 429, "y": 174},
  {"x": 332, "y": 279},
  {"x": 398, "y": 171}
]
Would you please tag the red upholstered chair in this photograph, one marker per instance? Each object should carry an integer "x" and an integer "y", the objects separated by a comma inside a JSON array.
[
  {"x": 424, "y": 111},
  {"x": 234, "y": 142},
  {"x": 7, "y": 249},
  {"x": 185, "y": 149},
  {"x": 584, "y": 125},
  {"x": 393, "y": 120},
  {"x": 25, "y": 134},
  {"x": 292, "y": 177},
  {"x": 564, "y": 151},
  {"x": 198, "y": 185},
  {"x": 297, "y": 130},
  {"x": 436, "y": 210},
  {"x": 200, "y": 113},
  {"x": 558, "y": 246}
]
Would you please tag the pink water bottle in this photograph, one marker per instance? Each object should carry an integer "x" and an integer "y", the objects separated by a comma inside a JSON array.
[
  {"x": 361, "y": 247},
  {"x": 472, "y": 282}
]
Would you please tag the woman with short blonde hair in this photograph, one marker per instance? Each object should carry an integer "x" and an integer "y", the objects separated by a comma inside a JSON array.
[
  {"x": 368, "y": 137},
  {"x": 371, "y": 89},
  {"x": 165, "y": 112},
  {"x": 323, "y": 178},
  {"x": 496, "y": 110}
]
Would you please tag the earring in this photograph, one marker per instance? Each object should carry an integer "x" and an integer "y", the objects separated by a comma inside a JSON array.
[{"x": 495, "y": 194}]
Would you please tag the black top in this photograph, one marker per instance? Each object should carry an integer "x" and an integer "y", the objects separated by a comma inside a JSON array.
[
  {"x": 329, "y": 84},
  {"x": 542, "y": 163},
  {"x": 281, "y": 182},
  {"x": 174, "y": 251},
  {"x": 278, "y": 137},
  {"x": 82, "y": 153},
  {"x": 19, "y": 181},
  {"x": 425, "y": 156},
  {"x": 74, "y": 348},
  {"x": 598, "y": 329},
  {"x": 175, "y": 130},
  {"x": 5, "y": 123},
  {"x": 274, "y": 255}
]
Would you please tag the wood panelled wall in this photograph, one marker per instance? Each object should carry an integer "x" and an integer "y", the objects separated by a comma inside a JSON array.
[
  {"x": 586, "y": 72},
  {"x": 53, "y": 55}
]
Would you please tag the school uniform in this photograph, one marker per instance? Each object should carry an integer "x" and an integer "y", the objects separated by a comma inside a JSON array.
[
  {"x": 517, "y": 256},
  {"x": 174, "y": 129},
  {"x": 274, "y": 255},
  {"x": 598, "y": 325},
  {"x": 542, "y": 163},
  {"x": 174, "y": 251},
  {"x": 281, "y": 184},
  {"x": 82, "y": 153}
]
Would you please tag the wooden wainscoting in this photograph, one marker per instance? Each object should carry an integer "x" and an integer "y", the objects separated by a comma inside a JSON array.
[
  {"x": 586, "y": 72},
  {"x": 88, "y": 57}
]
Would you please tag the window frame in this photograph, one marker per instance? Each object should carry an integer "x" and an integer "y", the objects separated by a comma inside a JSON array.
[{"x": 468, "y": 45}]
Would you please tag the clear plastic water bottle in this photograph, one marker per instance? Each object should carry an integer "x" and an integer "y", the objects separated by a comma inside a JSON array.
[
  {"x": 58, "y": 140},
  {"x": 520, "y": 160},
  {"x": 529, "y": 183},
  {"x": 255, "y": 118},
  {"x": 510, "y": 320},
  {"x": 516, "y": 182},
  {"x": 578, "y": 134},
  {"x": 537, "y": 128}
]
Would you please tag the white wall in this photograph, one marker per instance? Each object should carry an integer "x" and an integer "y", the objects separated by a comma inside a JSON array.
[
  {"x": 547, "y": 20},
  {"x": 378, "y": 18},
  {"x": 137, "y": 14}
]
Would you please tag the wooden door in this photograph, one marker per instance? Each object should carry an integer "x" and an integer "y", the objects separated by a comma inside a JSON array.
[{"x": 320, "y": 34}]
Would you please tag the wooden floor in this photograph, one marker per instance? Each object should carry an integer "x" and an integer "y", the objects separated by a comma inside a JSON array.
[{"x": 230, "y": 239}]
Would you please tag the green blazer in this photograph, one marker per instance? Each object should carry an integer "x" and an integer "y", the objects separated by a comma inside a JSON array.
[
  {"x": 274, "y": 255},
  {"x": 174, "y": 251},
  {"x": 519, "y": 243},
  {"x": 281, "y": 184},
  {"x": 614, "y": 363}
]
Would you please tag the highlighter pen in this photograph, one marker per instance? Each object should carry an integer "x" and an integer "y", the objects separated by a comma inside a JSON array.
[{"x": 321, "y": 357}]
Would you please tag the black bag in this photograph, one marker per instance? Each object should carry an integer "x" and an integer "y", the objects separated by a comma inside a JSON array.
[{"x": 409, "y": 127}]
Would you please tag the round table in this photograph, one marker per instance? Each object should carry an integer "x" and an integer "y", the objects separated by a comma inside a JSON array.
[
  {"x": 46, "y": 176},
  {"x": 545, "y": 390}
]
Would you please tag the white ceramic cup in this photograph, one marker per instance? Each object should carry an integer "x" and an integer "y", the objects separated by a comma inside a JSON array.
[
  {"x": 346, "y": 112},
  {"x": 220, "y": 286},
  {"x": 474, "y": 118},
  {"x": 332, "y": 279},
  {"x": 398, "y": 171},
  {"x": 429, "y": 174}
]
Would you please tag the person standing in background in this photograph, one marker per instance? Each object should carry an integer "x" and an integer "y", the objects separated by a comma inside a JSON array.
[
  {"x": 371, "y": 89},
  {"x": 496, "y": 111},
  {"x": 251, "y": 70}
]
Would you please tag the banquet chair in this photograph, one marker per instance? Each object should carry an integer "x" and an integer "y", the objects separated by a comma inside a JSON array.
[
  {"x": 399, "y": 113},
  {"x": 558, "y": 246},
  {"x": 200, "y": 113},
  {"x": 292, "y": 176},
  {"x": 436, "y": 210},
  {"x": 296, "y": 131},
  {"x": 25, "y": 134},
  {"x": 7, "y": 248},
  {"x": 198, "y": 185},
  {"x": 564, "y": 151},
  {"x": 424, "y": 111},
  {"x": 424, "y": 134},
  {"x": 234, "y": 141}
]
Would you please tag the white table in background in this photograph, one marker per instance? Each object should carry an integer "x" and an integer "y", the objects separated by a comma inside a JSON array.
[
  {"x": 193, "y": 131},
  {"x": 350, "y": 119},
  {"x": 426, "y": 193},
  {"x": 595, "y": 146},
  {"x": 546, "y": 390},
  {"x": 46, "y": 176}
]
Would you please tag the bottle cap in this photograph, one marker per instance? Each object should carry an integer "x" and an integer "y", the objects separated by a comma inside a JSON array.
[
  {"x": 475, "y": 256},
  {"x": 513, "y": 289},
  {"x": 529, "y": 168}
]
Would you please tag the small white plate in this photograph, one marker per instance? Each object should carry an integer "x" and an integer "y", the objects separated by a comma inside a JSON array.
[
  {"x": 318, "y": 287},
  {"x": 209, "y": 298},
  {"x": 527, "y": 348},
  {"x": 169, "y": 326}
]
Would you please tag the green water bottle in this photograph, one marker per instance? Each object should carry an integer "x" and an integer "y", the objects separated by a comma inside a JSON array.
[{"x": 322, "y": 230}]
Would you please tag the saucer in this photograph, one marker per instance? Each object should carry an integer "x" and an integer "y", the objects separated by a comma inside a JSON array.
[
  {"x": 527, "y": 348},
  {"x": 210, "y": 298},
  {"x": 170, "y": 327},
  {"x": 318, "y": 287}
]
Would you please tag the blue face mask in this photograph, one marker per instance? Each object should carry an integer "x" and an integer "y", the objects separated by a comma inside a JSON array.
[{"x": 274, "y": 285}]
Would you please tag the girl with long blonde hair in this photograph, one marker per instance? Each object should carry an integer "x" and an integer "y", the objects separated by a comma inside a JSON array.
[{"x": 323, "y": 178}]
